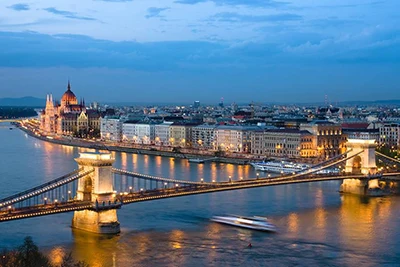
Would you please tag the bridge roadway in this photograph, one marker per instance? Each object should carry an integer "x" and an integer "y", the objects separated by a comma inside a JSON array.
[{"x": 177, "y": 191}]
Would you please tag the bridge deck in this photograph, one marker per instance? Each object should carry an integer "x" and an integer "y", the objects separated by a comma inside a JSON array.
[{"x": 192, "y": 189}]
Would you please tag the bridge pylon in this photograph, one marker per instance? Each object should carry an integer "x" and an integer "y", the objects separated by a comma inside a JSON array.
[
  {"x": 97, "y": 187},
  {"x": 360, "y": 159},
  {"x": 365, "y": 161}
]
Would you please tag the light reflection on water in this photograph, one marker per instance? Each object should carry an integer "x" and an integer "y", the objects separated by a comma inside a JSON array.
[{"x": 317, "y": 226}]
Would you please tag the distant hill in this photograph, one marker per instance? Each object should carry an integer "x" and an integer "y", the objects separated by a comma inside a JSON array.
[{"x": 27, "y": 101}]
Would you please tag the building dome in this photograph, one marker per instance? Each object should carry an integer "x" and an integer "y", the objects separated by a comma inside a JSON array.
[{"x": 69, "y": 97}]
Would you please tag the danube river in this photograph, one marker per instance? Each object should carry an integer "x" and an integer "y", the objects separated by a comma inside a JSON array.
[{"x": 317, "y": 225}]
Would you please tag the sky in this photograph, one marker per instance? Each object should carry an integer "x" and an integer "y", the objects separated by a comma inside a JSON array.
[{"x": 172, "y": 51}]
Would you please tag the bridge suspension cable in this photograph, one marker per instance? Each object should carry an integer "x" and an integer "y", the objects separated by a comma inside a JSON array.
[
  {"x": 385, "y": 156},
  {"x": 155, "y": 178},
  {"x": 63, "y": 180}
]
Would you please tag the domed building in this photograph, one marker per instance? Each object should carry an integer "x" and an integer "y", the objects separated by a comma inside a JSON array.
[{"x": 68, "y": 117}]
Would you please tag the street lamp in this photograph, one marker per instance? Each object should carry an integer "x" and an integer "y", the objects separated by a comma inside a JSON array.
[
  {"x": 130, "y": 189},
  {"x": 202, "y": 180},
  {"x": 45, "y": 200},
  {"x": 69, "y": 194},
  {"x": 258, "y": 175},
  {"x": 230, "y": 179},
  {"x": 165, "y": 185}
]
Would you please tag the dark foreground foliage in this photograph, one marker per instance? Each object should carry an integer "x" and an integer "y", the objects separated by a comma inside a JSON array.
[{"x": 28, "y": 255}]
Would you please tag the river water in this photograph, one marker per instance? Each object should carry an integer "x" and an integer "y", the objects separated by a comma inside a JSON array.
[{"x": 317, "y": 226}]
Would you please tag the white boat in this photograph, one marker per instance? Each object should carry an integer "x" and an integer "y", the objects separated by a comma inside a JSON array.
[
  {"x": 287, "y": 167},
  {"x": 255, "y": 222},
  {"x": 279, "y": 166}
]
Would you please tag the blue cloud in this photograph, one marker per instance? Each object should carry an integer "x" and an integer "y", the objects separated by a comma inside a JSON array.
[
  {"x": 19, "y": 7},
  {"x": 235, "y": 17},
  {"x": 254, "y": 3},
  {"x": 66, "y": 14},
  {"x": 114, "y": 1},
  {"x": 155, "y": 12}
]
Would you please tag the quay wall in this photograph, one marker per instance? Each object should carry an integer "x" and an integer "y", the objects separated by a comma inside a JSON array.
[{"x": 104, "y": 146}]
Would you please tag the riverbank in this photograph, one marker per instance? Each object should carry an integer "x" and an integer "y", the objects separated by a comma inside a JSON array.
[{"x": 183, "y": 153}]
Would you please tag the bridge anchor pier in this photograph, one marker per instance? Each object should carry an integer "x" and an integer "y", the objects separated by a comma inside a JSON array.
[
  {"x": 365, "y": 187},
  {"x": 101, "y": 222},
  {"x": 97, "y": 188}
]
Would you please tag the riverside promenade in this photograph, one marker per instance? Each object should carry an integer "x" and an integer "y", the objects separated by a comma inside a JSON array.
[{"x": 232, "y": 158}]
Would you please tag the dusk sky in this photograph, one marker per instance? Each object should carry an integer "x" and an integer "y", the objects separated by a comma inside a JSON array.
[{"x": 186, "y": 50}]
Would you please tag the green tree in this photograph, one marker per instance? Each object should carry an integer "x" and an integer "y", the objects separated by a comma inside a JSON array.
[
  {"x": 68, "y": 261},
  {"x": 28, "y": 255}
]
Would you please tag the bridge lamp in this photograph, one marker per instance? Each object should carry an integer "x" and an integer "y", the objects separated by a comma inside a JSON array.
[
  {"x": 45, "y": 200},
  {"x": 202, "y": 180},
  {"x": 258, "y": 175},
  {"x": 130, "y": 189}
]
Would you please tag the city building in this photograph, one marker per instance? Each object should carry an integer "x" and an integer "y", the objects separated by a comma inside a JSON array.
[
  {"x": 69, "y": 117},
  {"x": 203, "y": 136},
  {"x": 389, "y": 134},
  {"x": 111, "y": 128},
  {"x": 161, "y": 133},
  {"x": 283, "y": 143},
  {"x": 329, "y": 139},
  {"x": 234, "y": 138},
  {"x": 180, "y": 134}
]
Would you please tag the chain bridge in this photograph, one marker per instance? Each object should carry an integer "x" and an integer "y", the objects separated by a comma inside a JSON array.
[{"x": 96, "y": 190}]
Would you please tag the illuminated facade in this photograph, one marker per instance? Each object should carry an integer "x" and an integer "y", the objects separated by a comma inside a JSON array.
[
  {"x": 284, "y": 143},
  {"x": 68, "y": 116},
  {"x": 390, "y": 135},
  {"x": 329, "y": 139}
]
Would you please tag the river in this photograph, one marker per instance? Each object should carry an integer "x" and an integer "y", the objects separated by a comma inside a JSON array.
[{"x": 317, "y": 225}]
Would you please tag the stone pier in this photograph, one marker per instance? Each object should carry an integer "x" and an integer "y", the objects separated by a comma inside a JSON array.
[
  {"x": 97, "y": 187},
  {"x": 361, "y": 159}
]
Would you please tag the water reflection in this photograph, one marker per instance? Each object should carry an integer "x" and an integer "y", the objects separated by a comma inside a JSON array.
[
  {"x": 316, "y": 225},
  {"x": 96, "y": 250}
]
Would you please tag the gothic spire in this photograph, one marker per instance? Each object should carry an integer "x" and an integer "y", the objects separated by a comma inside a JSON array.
[{"x": 69, "y": 86}]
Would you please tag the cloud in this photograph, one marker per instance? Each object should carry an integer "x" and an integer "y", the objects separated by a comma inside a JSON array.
[
  {"x": 253, "y": 3},
  {"x": 19, "y": 7},
  {"x": 114, "y": 1},
  {"x": 235, "y": 17},
  {"x": 153, "y": 12},
  {"x": 66, "y": 14}
]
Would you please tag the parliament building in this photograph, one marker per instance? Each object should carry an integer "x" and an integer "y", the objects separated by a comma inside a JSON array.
[{"x": 68, "y": 117}]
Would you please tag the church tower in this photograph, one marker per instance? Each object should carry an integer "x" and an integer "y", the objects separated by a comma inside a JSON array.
[{"x": 49, "y": 116}]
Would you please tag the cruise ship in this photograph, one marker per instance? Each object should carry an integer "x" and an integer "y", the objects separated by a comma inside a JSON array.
[
  {"x": 287, "y": 167},
  {"x": 255, "y": 222},
  {"x": 279, "y": 166}
]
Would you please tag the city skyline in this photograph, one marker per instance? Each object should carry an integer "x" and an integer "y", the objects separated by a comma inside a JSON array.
[{"x": 157, "y": 51}]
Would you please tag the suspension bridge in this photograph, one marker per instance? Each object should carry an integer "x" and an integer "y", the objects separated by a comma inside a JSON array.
[{"x": 96, "y": 190}]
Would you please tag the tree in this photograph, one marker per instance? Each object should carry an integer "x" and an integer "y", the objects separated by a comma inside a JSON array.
[
  {"x": 68, "y": 261},
  {"x": 28, "y": 255}
]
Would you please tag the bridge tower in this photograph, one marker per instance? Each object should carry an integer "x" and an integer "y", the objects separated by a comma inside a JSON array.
[
  {"x": 365, "y": 161},
  {"x": 97, "y": 187}
]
